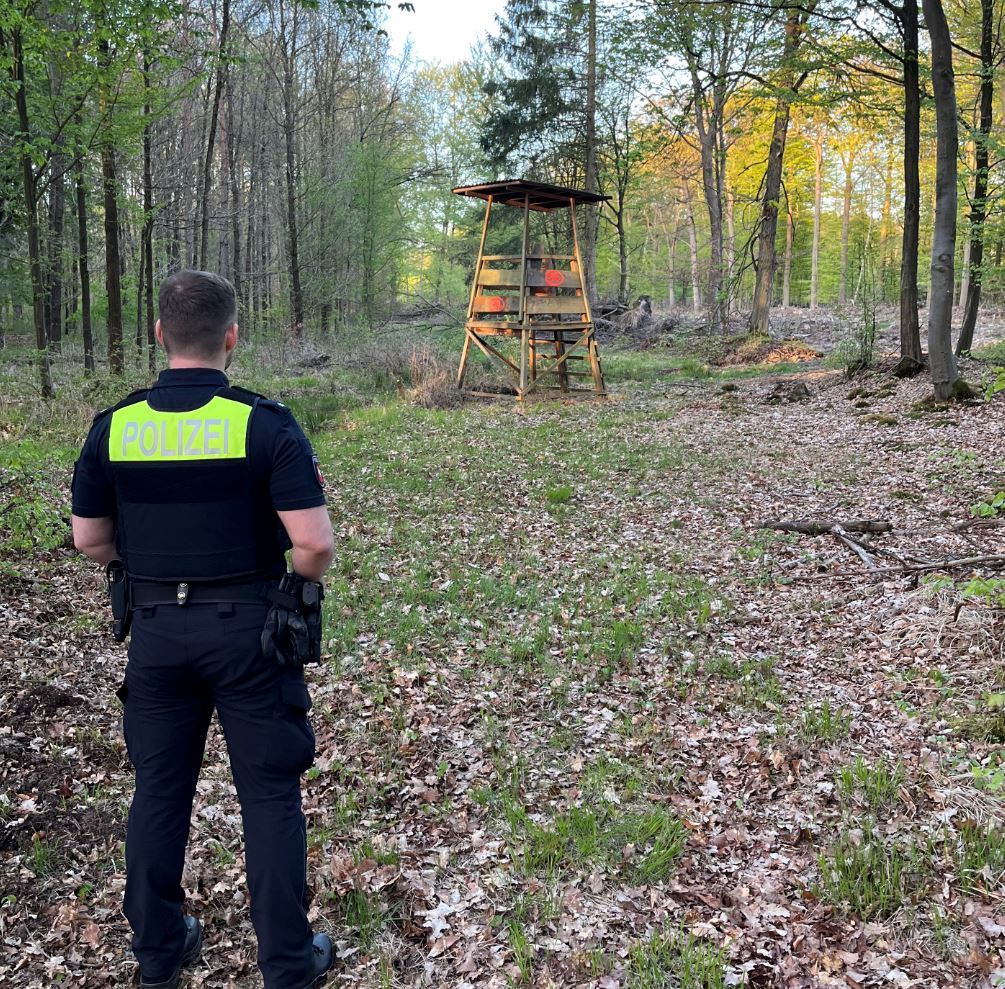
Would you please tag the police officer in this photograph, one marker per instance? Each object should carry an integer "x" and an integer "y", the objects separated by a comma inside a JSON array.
[{"x": 199, "y": 488}]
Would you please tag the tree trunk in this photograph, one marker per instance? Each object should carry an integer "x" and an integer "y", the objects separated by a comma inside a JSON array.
[
  {"x": 965, "y": 275},
  {"x": 787, "y": 262},
  {"x": 57, "y": 193},
  {"x": 589, "y": 227},
  {"x": 884, "y": 227},
  {"x": 113, "y": 268},
  {"x": 730, "y": 256},
  {"x": 910, "y": 334},
  {"x": 672, "y": 262},
  {"x": 768, "y": 227},
  {"x": 140, "y": 275},
  {"x": 849, "y": 165},
  {"x": 711, "y": 183},
  {"x": 147, "y": 246},
  {"x": 692, "y": 238},
  {"x": 818, "y": 149},
  {"x": 31, "y": 209},
  {"x": 233, "y": 142},
  {"x": 940, "y": 315},
  {"x": 289, "y": 43},
  {"x": 207, "y": 167},
  {"x": 87, "y": 333},
  {"x": 978, "y": 211},
  {"x": 765, "y": 266}
]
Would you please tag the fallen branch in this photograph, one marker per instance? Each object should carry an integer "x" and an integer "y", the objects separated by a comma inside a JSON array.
[
  {"x": 854, "y": 545},
  {"x": 990, "y": 560},
  {"x": 810, "y": 527},
  {"x": 978, "y": 524}
]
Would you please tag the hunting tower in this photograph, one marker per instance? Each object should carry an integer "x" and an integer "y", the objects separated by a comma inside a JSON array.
[{"x": 534, "y": 297}]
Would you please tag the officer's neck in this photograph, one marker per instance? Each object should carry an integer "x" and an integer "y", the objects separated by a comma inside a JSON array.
[{"x": 179, "y": 363}]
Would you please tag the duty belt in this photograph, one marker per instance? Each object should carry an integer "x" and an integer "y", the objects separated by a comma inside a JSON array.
[{"x": 148, "y": 593}]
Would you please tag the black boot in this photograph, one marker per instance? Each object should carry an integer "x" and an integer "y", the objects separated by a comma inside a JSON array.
[
  {"x": 324, "y": 958},
  {"x": 192, "y": 950}
]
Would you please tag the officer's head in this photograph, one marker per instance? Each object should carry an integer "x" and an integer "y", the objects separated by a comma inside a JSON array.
[{"x": 198, "y": 316}]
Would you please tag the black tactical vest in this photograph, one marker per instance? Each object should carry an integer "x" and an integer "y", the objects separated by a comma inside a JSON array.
[{"x": 190, "y": 507}]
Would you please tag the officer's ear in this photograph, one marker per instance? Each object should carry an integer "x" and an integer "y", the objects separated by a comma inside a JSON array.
[
  {"x": 159, "y": 333},
  {"x": 230, "y": 337}
]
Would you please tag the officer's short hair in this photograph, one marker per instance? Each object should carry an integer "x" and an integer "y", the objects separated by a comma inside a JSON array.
[{"x": 196, "y": 310}]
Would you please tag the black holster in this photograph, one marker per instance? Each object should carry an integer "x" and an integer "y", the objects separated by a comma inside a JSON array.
[{"x": 118, "y": 593}]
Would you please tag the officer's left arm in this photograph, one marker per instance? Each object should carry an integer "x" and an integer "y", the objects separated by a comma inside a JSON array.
[{"x": 95, "y": 537}]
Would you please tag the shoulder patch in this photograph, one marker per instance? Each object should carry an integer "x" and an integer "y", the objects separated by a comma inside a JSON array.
[
  {"x": 246, "y": 392},
  {"x": 254, "y": 398},
  {"x": 268, "y": 403}
]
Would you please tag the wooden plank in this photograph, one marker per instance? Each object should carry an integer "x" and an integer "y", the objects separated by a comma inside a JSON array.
[
  {"x": 536, "y": 278},
  {"x": 496, "y": 304},
  {"x": 555, "y": 304},
  {"x": 489, "y": 328},
  {"x": 480, "y": 261},
  {"x": 499, "y": 278},
  {"x": 464, "y": 358},
  {"x": 533, "y": 257},
  {"x": 539, "y": 278}
]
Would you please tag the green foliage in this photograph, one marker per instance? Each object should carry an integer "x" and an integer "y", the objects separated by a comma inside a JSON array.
[
  {"x": 996, "y": 384},
  {"x": 583, "y": 836},
  {"x": 678, "y": 955},
  {"x": 992, "y": 508},
  {"x": 876, "y": 786},
  {"x": 33, "y": 510},
  {"x": 867, "y": 876},
  {"x": 365, "y": 915},
  {"x": 987, "y": 722},
  {"x": 559, "y": 494},
  {"x": 825, "y": 723},
  {"x": 523, "y": 951},
  {"x": 979, "y": 854},
  {"x": 988, "y": 590},
  {"x": 42, "y": 860}
]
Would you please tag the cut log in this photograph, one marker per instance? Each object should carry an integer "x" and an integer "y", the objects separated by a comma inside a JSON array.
[{"x": 814, "y": 527}]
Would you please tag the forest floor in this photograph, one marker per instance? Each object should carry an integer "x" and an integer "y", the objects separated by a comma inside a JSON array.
[{"x": 583, "y": 722}]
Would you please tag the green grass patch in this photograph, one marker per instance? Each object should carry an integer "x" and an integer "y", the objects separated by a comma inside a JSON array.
[
  {"x": 675, "y": 958},
  {"x": 874, "y": 786},
  {"x": 42, "y": 857},
  {"x": 868, "y": 876},
  {"x": 365, "y": 915},
  {"x": 644, "y": 842},
  {"x": 559, "y": 494},
  {"x": 824, "y": 723},
  {"x": 979, "y": 853}
]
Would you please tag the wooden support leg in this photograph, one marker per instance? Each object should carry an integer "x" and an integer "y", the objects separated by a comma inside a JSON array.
[
  {"x": 598, "y": 377},
  {"x": 524, "y": 362},
  {"x": 464, "y": 359},
  {"x": 563, "y": 370}
]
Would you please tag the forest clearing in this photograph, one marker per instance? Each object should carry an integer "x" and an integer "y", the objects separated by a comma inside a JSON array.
[
  {"x": 691, "y": 681},
  {"x": 583, "y": 721}
]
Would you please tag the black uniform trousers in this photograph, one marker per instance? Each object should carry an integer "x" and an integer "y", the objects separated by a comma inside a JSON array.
[{"x": 184, "y": 661}]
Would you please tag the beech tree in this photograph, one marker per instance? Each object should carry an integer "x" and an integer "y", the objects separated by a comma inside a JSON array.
[
  {"x": 990, "y": 58},
  {"x": 940, "y": 350},
  {"x": 792, "y": 76}
]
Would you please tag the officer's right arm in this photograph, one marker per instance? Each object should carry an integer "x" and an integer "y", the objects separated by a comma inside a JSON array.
[
  {"x": 93, "y": 497},
  {"x": 310, "y": 531}
]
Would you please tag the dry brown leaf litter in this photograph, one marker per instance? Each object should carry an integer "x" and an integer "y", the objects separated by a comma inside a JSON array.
[{"x": 757, "y": 799}]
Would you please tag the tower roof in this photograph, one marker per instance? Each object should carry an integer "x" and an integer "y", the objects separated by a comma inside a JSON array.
[{"x": 540, "y": 195}]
